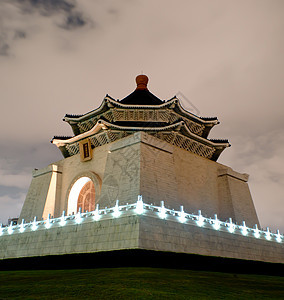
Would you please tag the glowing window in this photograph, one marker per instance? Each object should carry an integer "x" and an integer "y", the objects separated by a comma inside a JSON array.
[
  {"x": 82, "y": 195},
  {"x": 86, "y": 199}
]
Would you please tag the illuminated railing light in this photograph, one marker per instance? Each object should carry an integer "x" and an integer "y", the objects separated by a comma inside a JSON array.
[
  {"x": 268, "y": 234},
  {"x": 78, "y": 217},
  {"x": 97, "y": 213},
  {"x": 231, "y": 226},
  {"x": 139, "y": 206},
  {"x": 34, "y": 225},
  {"x": 22, "y": 227},
  {"x": 182, "y": 215},
  {"x": 256, "y": 232},
  {"x": 162, "y": 211},
  {"x": 278, "y": 237},
  {"x": 62, "y": 219},
  {"x": 200, "y": 219},
  {"x": 10, "y": 228},
  {"x": 244, "y": 229},
  {"x": 116, "y": 212},
  {"x": 216, "y": 223},
  {"x": 47, "y": 222}
]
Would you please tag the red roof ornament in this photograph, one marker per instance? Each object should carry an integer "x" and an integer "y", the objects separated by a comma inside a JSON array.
[{"x": 142, "y": 81}]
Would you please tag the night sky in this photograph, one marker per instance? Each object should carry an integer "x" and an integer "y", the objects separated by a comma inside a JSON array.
[{"x": 224, "y": 58}]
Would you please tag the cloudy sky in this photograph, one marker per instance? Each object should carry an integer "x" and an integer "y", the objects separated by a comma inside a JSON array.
[{"x": 63, "y": 56}]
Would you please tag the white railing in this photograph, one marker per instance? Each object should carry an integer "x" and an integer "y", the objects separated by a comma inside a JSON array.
[{"x": 141, "y": 208}]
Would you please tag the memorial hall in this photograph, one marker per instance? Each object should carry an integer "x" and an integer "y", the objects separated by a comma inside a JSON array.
[{"x": 140, "y": 173}]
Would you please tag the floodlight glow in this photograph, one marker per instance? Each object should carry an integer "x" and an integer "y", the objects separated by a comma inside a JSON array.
[
  {"x": 116, "y": 212},
  {"x": 231, "y": 226},
  {"x": 216, "y": 223},
  {"x": 62, "y": 219},
  {"x": 162, "y": 213},
  {"x": 256, "y": 232},
  {"x": 22, "y": 228},
  {"x": 97, "y": 213},
  {"x": 139, "y": 205},
  {"x": 200, "y": 219},
  {"x": 10, "y": 229},
  {"x": 278, "y": 237},
  {"x": 34, "y": 226},
  {"x": 47, "y": 223},
  {"x": 182, "y": 215},
  {"x": 268, "y": 234},
  {"x": 244, "y": 229}
]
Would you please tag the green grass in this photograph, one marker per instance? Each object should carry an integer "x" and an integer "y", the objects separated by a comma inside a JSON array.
[{"x": 137, "y": 283}]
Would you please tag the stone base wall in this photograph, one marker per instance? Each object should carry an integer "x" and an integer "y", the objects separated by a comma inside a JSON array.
[
  {"x": 132, "y": 231},
  {"x": 105, "y": 235},
  {"x": 165, "y": 235}
]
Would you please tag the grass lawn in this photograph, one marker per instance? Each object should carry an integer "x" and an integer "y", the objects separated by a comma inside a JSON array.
[{"x": 137, "y": 283}]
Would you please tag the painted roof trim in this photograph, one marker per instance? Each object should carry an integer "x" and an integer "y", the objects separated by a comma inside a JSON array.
[
  {"x": 101, "y": 124},
  {"x": 170, "y": 102},
  {"x": 69, "y": 118},
  {"x": 108, "y": 101},
  {"x": 98, "y": 127}
]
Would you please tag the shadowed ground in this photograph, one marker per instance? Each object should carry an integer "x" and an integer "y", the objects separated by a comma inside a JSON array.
[{"x": 137, "y": 283}]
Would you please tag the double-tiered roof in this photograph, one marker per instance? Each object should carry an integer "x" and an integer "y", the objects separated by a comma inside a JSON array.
[{"x": 142, "y": 111}]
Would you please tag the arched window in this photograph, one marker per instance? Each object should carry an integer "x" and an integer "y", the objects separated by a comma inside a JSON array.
[
  {"x": 86, "y": 199},
  {"x": 82, "y": 195}
]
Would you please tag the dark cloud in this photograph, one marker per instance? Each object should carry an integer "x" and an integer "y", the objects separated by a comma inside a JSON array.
[
  {"x": 74, "y": 20},
  {"x": 13, "y": 192},
  {"x": 32, "y": 156},
  {"x": 19, "y": 34},
  {"x": 4, "y": 47},
  {"x": 46, "y": 7},
  {"x": 7, "y": 38},
  {"x": 16, "y": 22}
]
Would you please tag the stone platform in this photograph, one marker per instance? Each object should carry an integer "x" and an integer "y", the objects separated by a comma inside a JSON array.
[{"x": 140, "y": 226}]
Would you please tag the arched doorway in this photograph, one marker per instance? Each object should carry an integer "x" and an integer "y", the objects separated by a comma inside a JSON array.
[{"x": 82, "y": 195}]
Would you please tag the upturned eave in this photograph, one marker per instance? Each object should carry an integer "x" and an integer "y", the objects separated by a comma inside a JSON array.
[{"x": 179, "y": 126}]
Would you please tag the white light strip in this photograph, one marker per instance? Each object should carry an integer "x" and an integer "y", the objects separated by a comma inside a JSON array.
[
  {"x": 256, "y": 232},
  {"x": 216, "y": 223},
  {"x": 97, "y": 213},
  {"x": 231, "y": 226},
  {"x": 162, "y": 211},
  {"x": 182, "y": 215},
  {"x": 141, "y": 208},
  {"x": 62, "y": 219},
  {"x": 200, "y": 219},
  {"x": 244, "y": 229},
  {"x": 47, "y": 222},
  {"x": 116, "y": 212}
]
